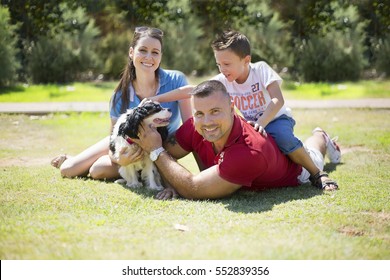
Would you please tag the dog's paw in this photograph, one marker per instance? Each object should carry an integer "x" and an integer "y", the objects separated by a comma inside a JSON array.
[
  {"x": 134, "y": 185},
  {"x": 120, "y": 181},
  {"x": 155, "y": 188}
]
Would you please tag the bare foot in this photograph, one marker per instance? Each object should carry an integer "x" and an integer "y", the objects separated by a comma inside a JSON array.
[{"x": 58, "y": 161}]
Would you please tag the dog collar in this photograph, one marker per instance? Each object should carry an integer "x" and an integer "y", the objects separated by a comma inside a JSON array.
[{"x": 128, "y": 139}]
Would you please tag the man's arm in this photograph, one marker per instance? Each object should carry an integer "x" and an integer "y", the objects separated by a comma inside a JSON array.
[{"x": 205, "y": 185}]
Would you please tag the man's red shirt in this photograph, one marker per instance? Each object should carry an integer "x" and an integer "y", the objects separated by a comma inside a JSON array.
[{"x": 248, "y": 159}]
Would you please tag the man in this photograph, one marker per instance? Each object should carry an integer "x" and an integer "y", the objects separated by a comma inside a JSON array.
[{"x": 233, "y": 155}]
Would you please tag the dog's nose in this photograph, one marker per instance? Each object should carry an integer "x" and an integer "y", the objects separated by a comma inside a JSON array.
[{"x": 169, "y": 110}]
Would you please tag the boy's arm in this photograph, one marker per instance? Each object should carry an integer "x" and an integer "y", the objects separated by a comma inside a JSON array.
[
  {"x": 277, "y": 102},
  {"x": 174, "y": 95}
]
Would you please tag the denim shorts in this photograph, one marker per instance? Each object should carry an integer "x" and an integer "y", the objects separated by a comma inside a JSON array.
[{"x": 282, "y": 130}]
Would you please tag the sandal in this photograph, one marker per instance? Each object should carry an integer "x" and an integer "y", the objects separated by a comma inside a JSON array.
[
  {"x": 58, "y": 161},
  {"x": 318, "y": 183}
]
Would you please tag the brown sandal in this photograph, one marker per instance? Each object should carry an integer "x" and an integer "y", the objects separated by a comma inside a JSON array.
[{"x": 318, "y": 183}]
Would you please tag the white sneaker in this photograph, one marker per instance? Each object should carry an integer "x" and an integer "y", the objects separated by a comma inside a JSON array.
[{"x": 332, "y": 149}]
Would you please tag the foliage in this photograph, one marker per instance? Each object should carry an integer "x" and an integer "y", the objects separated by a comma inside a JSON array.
[
  {"x": 113, "y": 51},
  {"x": 8, "y": 51},
  {"x": 377, "y": 13},
  {"x": 181, "y": 48},
  {"x": 214, "y": 16},
  {"x": 277, "y": 29},
  {"x": 269, "y": 36},
  {"x": 336, "y": 53},
  {"x": 36, "y": 17},
  {"x": 381, "y": 51},
  {"x": 67, "y": 54}
]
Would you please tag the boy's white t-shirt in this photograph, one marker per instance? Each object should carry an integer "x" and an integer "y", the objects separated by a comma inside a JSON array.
[{"x": 252, "y": 97}]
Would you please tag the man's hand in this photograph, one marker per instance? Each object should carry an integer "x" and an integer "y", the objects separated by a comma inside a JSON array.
[
  {"x": 149, "y": 138},
  {"x": 258, "y": 128},
  {"x": 167, "y": 193}
]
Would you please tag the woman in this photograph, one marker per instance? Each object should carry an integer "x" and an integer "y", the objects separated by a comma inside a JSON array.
[{"x": 142, "y": 78}]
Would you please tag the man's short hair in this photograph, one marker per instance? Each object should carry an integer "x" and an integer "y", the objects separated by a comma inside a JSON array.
[
  {"x": 233, "y": 40},
  {"x": 206, "y": 88}
]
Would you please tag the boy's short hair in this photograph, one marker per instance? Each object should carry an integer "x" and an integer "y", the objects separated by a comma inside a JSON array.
[{"x": 230, "y": 39}]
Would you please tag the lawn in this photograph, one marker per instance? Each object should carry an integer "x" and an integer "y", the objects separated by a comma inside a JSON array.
[
  {"x": 44, "y": 216},
  {"x": 102, "y": 91}
]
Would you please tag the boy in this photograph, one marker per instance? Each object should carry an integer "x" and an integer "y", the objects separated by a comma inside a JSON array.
[{"x": 255, "y": 91}]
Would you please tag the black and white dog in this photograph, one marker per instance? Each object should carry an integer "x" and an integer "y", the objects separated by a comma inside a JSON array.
[{"x": 127, "y": 127}]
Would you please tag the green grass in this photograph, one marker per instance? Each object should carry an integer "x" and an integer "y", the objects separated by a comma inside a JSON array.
[
  {"x": 99, "y": 91},
  {"x": 102, "y": 91},
  {"x": 44, "y": 216},
  {"x": 347, "y": 90}
]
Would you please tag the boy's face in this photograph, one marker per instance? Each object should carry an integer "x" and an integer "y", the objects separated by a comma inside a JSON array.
[{"x": 232, "y": 66}]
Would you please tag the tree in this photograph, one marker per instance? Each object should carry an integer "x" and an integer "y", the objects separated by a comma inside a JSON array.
[
  {"x": 67, "y": 52},
  {"x": 8, "y": 52},
  {"x": 337, "y": 54}
]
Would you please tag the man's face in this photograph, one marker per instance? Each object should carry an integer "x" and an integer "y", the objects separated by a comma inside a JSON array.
[
  {"x": 232, "y": 66},
  {"x": 213, "y": 116}
]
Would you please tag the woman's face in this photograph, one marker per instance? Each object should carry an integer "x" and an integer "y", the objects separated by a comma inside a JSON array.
[{"x": 146, "y": 54}]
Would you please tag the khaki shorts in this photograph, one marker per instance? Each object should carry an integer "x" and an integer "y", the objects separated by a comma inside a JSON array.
[{"x": 318, "y": 160}]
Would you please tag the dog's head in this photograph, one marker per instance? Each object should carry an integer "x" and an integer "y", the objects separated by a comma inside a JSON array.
[{"x": 145, "y": 114}]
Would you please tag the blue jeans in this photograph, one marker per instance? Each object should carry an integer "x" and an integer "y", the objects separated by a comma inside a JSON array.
[{"x": 282, "y": 130}]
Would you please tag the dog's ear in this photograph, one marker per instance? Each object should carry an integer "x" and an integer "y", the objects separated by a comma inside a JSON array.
[
  {"x": 112, "y": 146},
  {"x": 150, "y": 108},
  {"x": 122, "y": 128},
  {"x": 130, "y": 126}
]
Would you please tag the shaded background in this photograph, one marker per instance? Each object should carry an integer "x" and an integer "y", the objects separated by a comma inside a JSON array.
[{"x": 77, "y": 40}]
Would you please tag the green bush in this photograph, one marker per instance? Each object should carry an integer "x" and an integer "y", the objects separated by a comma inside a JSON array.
[
  {"x": 330, "y": 58},
  {"x": 181, "y": 50},
  {"x": 268, "y": 35},
  {"x": 337, "y": 52},
  {"x": 113, "y": 50},
  {"x": 68, "y": 53},
  {"x": 8, "y": 52},
  {"x": 381, "y": 51}
]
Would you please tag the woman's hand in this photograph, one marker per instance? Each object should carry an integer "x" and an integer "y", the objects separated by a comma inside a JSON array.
[{"x": 129, "y": 155}]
